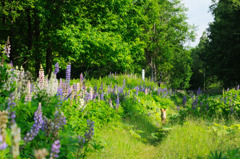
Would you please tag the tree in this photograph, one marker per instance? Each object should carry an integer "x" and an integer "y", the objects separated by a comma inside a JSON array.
[{"x": 223, "y": 46}]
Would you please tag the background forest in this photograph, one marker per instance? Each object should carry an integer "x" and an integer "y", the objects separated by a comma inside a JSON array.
[
  {"x": 98, "y": 37},
  {"x": 123, "y": 36}
]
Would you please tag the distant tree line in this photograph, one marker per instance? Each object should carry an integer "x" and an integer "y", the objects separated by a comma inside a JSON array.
[{"x": 216, "y": 59}]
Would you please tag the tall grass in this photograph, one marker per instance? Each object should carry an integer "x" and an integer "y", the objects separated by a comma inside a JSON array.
[{"x": 197, "y": 138}]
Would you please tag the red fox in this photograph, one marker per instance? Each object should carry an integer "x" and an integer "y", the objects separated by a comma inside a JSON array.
[{"x": 163, "y": 115}]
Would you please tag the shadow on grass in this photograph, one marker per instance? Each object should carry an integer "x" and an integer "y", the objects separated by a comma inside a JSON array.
[{"x": 143, "y": 128}]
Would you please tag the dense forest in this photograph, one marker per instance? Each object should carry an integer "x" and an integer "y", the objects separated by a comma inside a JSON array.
[
  {"x": 99, "y": 37},
  {"x": 123, "y": 36}
]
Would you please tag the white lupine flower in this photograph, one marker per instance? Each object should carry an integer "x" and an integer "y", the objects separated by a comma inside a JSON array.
[
  {"x": 81, "y": 103},
  {"x": 52, "y": 85},
  {"x": 16, "y": 136}
]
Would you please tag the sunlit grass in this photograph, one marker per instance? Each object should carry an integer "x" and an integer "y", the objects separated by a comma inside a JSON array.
[{"x": 192, "y": 139}]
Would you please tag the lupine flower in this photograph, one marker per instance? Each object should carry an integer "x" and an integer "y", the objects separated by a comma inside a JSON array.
[
  {"x": 81, "y": 141},
  {"x": 137, "y": 89},
  {"x": 55, "y": 149},
  {"x": 3, "y": 124},
  {"x": 56, "y": 68},
  {"x": 38, "y": 122},
  {"x": 52, "y": 127},
  {"x": 120, "y": 90},
  {"x": 235, "y": 97},
  {"x": 238, "y": 87},
  {"x": 81, "y": 78},
  {"x": 222, "y": 100},
  {"x": 7, "y": 48},
  {"x": 110, "y": 103},
  {"x": 41, "y": 77},
  {"x": 102, "y": 96},
  {"x": 60, "y": 94},
  {"x": 68, "y": 73},
  {"x": 146, "y": 91},
  {"x": 16, "y": 134},
  {"x": 81, "y": 105},
  {"x": 91, "y": 93},
  {"x": 159, "y": 90},
  {"x": 117, "y": 102},
  {"x": 225, "y": 100},
  {"x": 28, "y": 97},
  {"x": 90, "y": 132},
  {"x": 184, "y": 100},
  {"x": 198, "y": 91},
  {"x": 41, "y": 153},
  {"x": 124, "y": 82},
  {"x": 115, "y": 88},
  {"x": 3, "y": 145},
  {"x": 227, "y": 89},
  {"x": 11, "y": 104},
  {"x": 60, "y": 83}
]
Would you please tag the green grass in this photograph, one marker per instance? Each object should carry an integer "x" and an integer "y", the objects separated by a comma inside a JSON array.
[
  {"x": 192, "y": 139},
  {"x": 119, "y": 144}
]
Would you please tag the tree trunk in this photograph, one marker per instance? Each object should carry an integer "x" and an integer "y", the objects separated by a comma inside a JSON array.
[
  {"x": 37, "y": 54},
  {"x": 29, "y": 38}
]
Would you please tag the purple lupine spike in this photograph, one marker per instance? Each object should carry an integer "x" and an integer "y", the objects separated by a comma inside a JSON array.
[
  {"x": 235, "y": 97},
  {"x": 137, "y": 89},
  {"x": 68, "y": 73},
  {"x": 120, "y": 90},
  {"x": 55, "y": 149},
  {"x": 60, "y": 93},
  {"x": 198, "y": 91},
  {"x": 11, "y": 104},
  {"x": 3, "y": 145},
  {"x": 124, "y": 82},
  {"x": 238, "y": 87},
  {"x": 227, "y": 89},
  {"x": 90, "y": 132},
  {"x": 102, "y": 96},
  {"x": 56, "y": 68},
  {"x": 159, "y": 90},
  {"x": 81, "y": 78},
  {"x": 11, "y": 64},
  {"x": 38, "y": 122},
  {"x": 184, "y": 100},
  {"x": 60, "y": 120},
  {"x": 117, "y": 102},
  {"x": 115, "y": 88},
  {"x": 225, "y": 100}
]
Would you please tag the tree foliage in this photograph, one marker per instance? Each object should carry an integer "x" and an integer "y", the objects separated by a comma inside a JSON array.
[
  {"x": 98, "y": 36},
  {"x": 222, "y": 48}
]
